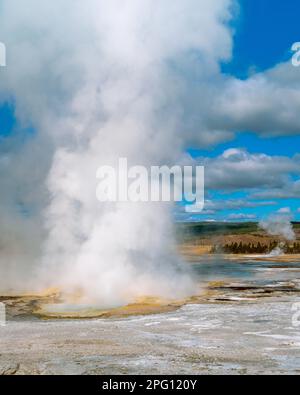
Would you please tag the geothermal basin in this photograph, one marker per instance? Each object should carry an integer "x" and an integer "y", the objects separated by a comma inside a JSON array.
[{"x": 242, "y": 322}]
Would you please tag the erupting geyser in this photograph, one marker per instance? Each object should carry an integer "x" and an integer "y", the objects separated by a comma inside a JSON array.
[
  {"x": 279, "y": 224},
  {"x": 96, "y": 81}
]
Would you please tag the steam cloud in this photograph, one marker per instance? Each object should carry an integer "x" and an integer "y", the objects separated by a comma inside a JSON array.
[
  {"x": 92, "y": 82},
  {"x": 279, "y": 224}
]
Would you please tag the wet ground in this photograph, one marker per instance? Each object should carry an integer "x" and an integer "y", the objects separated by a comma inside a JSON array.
[{"x": 241, "y": 322}]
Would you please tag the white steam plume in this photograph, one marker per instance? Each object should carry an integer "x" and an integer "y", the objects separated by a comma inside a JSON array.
[
  {"x": 99, "y": 80},
  {"x": 279, "y": 224}
]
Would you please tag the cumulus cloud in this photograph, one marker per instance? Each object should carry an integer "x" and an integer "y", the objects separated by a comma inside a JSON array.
[
  {"x": 261, "y": 178},
  {"x": 285, "y": 210},
  {"x": 220, "y": 206},
  {"x": 265, "y": 103},
  {"x": 237, "y": 169},
  {"x": 290, "y": 190}
]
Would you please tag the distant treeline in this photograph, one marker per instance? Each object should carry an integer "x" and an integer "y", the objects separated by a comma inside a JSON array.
[{"x": 259, "y": 248}]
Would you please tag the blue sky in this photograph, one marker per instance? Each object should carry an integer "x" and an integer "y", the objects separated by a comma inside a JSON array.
[
  {"x": 264, "y": 33},
  {"x": 7, "y": 119}
]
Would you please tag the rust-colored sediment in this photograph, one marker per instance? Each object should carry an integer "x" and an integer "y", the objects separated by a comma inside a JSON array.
[
  {"x": 142, "y": 306},
  {"x": 51, "y": 305}
]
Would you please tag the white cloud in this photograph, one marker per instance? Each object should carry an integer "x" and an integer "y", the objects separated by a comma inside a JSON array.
[
  {"x": 285, "y": 210},
  {"x": 290, "y": 190},
  {"x": 237, "y": 169},
  {"x": 266, "y": 103}
]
